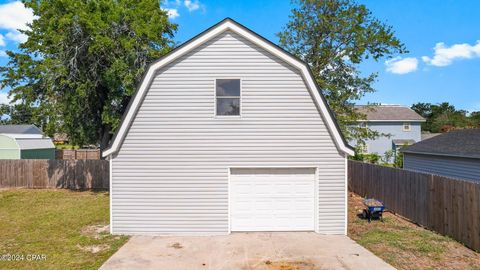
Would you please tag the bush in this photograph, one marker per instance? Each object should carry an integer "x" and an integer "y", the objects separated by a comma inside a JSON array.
[{"x": 370, "y": 158}]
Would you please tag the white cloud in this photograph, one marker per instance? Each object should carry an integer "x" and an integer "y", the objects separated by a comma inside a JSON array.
[
  {"x": 4, "y": 99},
  {"x": 15, "y": 15},
  {"x": 444, "y": 55},
  {"x": 17, "y": 36},
  {"x": 2, "y": 41},
  {"x": 399, "y": 65},
  {"x": 3, "y": 54},
  {"x": 172, "y": 13},
  {"x": 192, "y": 5}
]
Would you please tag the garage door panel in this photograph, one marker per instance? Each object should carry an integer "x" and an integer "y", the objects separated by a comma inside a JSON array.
[{"x": 272, "y": 199}]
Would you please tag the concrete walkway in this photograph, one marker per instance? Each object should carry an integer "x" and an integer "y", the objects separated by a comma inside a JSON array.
[{"x": 244, "y": 251}]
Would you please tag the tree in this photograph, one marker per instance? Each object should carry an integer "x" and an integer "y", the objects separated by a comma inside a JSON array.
[
  {"x": 475, "y": 119},
  {"x": 20, "y": 113},
  {"x": 334, "y": 37},
  {"x": 82, "y": 62},
  {"x": 423, "y": 109},
  {"x": 443, "y": 116}
]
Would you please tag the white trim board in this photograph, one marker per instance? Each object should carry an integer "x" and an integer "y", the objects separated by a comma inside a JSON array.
[{"x": 233, "y": 26}]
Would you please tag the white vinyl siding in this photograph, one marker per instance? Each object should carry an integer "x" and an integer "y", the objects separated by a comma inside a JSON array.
[{"x": 170, "y": 175}]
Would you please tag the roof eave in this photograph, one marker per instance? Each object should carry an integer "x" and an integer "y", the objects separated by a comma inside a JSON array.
[{"x": 438, "y": 154}]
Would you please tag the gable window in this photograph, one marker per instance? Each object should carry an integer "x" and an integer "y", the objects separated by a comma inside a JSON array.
[
  {"x": 227, "y": 97},
  {"x": 406, "y": 127}
]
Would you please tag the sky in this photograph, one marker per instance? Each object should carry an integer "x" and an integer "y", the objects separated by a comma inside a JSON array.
[{"x": 442, "y": 37}]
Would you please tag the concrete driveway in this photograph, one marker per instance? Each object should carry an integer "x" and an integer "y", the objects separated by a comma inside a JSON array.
[{"x": 244, "y": 251}]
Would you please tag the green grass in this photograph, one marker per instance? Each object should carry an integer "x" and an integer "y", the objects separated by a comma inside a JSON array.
[
  {"x": 414, "y": 241},
  {"x": 405, "y": 245},
  {"x": 50, "y": 222}
]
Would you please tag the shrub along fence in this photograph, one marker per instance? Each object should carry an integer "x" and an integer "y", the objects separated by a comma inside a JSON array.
[
  {"x": 445, "y": 205},
  {"x": 51, "y": 173}
]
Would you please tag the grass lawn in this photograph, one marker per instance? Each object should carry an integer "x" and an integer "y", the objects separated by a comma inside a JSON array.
[
  {"x": 405, "y": 245},
  {"x": 65, "y": 229}
]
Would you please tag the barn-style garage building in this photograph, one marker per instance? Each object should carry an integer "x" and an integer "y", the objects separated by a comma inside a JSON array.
[{"x": 227, "y": 133}]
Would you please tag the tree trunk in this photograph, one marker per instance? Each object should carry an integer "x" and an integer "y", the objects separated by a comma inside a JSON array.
[{"x": 105, "y": 139}]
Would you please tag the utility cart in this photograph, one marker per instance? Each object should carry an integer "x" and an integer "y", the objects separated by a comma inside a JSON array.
[{"x": 374, "y": 209}]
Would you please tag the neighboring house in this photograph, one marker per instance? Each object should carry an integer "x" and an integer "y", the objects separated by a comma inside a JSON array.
[
  {"x": 226, "y": 133},
  {"x": 400, "y": 123},
  {"x": 454, "y": 154},
  {"x": 24, "y": 142}
]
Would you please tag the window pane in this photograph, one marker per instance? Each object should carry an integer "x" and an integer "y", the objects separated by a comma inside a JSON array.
[
  {"x": 228, "y": 87},
  {"x": 228, "y": 106}
]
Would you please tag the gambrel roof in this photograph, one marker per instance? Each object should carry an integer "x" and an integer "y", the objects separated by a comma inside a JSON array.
[{"x": 230, "y": 25}]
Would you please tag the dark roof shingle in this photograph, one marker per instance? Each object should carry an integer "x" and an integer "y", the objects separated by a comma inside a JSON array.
[
  {"x": 460, "y": 143},
  {"x": 20, "y": 129},
  {"x": 389, "y": 113}
]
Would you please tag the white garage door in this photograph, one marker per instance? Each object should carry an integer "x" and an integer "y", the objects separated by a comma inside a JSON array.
[{"x": 272, "y": 199}]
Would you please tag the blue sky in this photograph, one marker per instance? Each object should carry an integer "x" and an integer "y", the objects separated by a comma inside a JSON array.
[{"x": 443, "y": 39}]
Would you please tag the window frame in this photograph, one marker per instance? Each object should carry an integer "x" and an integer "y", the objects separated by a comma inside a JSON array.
[
  {"x": 404, "y": 124},
  {"x": 215, "y": 115}
]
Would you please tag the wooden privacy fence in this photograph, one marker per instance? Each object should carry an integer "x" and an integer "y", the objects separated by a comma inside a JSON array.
[
  {"x": 51, "y": 173},
  {"x": 78, "y": 154},
  {"x": 445, "y": 205}
]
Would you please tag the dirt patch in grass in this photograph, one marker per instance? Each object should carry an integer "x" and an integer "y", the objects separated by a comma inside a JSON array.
[
  {"x": 94, "y": 248},
  {"x": 98, "y": 231},
  {"x": 405, "y": 245}
]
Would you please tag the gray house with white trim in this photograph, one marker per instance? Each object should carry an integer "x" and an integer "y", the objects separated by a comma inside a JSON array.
[
  {"x": 227, "y": 133},
  {"x": 455, "y": 154}
]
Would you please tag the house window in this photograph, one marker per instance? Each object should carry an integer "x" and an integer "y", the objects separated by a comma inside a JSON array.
[
  {"x": 406, "y": 127},
  {"x": 227, "y": 93}
]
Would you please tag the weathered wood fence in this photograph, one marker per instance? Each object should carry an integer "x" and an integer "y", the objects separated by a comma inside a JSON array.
[
  {"x": 51, "y": 173},
  {"x": 78, "y": 154},
  {"x": 445, "y": 205}
]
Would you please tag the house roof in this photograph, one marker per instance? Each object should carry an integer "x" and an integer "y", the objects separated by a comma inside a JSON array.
[
  {"x": 35, "y": 143},
  {"x": 458, "y": 143},
  {"x": 401, "y": 142},
  {"x": 229, "y": 25},
  {"x": 426, "y": 136},
  {"x": 19, "y": 129},
  {"x": 386, "y": 113}
]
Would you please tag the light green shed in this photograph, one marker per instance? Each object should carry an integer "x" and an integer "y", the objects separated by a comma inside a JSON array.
[
  {"x": 8, "y": 148},
  {"x": 26, "y": 148}
]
